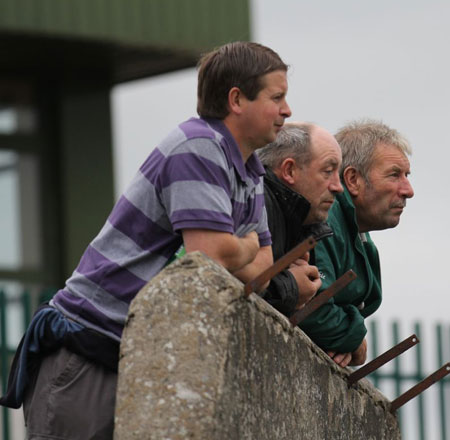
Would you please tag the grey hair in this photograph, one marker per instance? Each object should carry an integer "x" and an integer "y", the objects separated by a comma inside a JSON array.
[
  {"x": 293, "y": 140},
  {"x": 358, "y": 140}
]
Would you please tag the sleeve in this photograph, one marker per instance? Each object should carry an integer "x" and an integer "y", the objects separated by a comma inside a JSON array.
[
  {"x": 195, "y": 189},
  {"x": 262, "y": 229},
  {"x": 337, "y": 327},
  {"x": 282, "y": 293}
]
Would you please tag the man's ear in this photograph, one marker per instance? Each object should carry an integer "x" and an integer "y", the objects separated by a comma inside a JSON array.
[
  {"x": 235, "y": 97},
  {"x": 352, "y": 180},
  {"x": 287, "y": 170}
]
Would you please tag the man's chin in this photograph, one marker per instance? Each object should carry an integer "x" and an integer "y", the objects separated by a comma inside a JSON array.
[
  {"x": 395, "y": 222},
  {"x": 390, "y": 223},
  {"x": 319, "y": 218}
]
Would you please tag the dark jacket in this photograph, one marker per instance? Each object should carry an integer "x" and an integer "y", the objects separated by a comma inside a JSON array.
[{"x": 286, "y": 212}]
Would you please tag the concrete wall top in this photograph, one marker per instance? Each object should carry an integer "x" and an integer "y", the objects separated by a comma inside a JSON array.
[{"x": 199, "y": 360}]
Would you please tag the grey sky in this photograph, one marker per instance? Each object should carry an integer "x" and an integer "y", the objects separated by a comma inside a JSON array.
[{"x": 349, "y": 59}]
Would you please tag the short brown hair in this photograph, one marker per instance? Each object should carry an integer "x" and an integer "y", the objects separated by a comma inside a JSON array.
[{"x": 240, "y": 64}]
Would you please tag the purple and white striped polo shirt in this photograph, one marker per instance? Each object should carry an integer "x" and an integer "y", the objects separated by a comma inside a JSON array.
[{"x": 195, "y": 178}]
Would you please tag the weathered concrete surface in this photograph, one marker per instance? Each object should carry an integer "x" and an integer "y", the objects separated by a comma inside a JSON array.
[{"x": 200, "y": 361}]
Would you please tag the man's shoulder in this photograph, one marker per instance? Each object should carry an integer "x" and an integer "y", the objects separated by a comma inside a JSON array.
[
  {"x": 191, "y": 140},
  {"x": 269, "y": 193},
  {"x": 274, "y": 212},
  {"x": 197, "y": 128},
  {"x": 187, "y": 135}
]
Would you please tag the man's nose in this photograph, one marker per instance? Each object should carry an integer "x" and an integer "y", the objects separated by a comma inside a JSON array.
[
  {"x": 286, "y": 110},
  {"x": 336, "y": 185},
  {"x": 406, "y": 189}
]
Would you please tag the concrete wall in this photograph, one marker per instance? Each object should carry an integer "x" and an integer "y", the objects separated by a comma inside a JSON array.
[{"x": 200, "y": 361}]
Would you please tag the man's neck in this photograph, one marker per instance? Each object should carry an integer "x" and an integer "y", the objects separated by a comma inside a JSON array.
[{"x": 246, "y": 150}]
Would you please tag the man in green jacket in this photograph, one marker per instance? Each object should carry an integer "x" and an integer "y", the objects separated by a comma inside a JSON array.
[{"x": 374, "y": 173}]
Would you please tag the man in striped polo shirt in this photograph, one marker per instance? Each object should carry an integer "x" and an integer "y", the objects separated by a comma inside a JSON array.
[{"x": 200, "y": 187}]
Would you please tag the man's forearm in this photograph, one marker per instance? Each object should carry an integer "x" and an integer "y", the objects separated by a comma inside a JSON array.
[
  {"x": 336, "y": 328},
  {"x": 232, "y": 252},
  {"x": 260, "y": 263}
]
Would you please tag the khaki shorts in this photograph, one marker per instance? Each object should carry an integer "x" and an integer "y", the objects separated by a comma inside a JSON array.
[{"x": 71, "y": 398}]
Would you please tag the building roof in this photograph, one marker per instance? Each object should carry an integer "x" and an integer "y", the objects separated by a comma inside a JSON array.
[{"x": 119, "y": 40}]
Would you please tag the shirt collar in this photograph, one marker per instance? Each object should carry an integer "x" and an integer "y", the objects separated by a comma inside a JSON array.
[{"x": 252, "y": 168}]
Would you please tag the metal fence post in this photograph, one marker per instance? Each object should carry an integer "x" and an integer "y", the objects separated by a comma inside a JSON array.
[
  {"x": 25, "y": 300},
  {"x": 4, "y": 361},
  {"x": 397, "y": 374},
  {"x": 374, "y": 337},
  {"x": 441, "y": 384},
  {"x": 419, "y": 377}
]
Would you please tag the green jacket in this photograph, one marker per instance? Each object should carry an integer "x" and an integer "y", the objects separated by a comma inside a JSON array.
[{"x": 339, "y": 324}]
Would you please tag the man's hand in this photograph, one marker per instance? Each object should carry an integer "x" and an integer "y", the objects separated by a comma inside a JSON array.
[
  {"x": 307, "y": 278},
  {"x": 342, "y": 359},
  {"x": 359, "y": 356}
]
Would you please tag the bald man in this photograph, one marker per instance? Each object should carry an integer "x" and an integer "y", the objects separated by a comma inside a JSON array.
[{"x": 300, "y": 185}]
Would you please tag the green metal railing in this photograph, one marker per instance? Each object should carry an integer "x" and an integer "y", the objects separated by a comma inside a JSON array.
[
  {"x": 4, "y": 360},
  {"x": 396, "y": 374},
  {"x": 26, "y": 304},
  {"x": 393, "y": 373}
]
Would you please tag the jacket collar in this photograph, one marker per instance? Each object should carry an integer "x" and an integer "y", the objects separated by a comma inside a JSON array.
[
  {"x": 318, "y": 230},
  {"x": 349, "y": 210}
]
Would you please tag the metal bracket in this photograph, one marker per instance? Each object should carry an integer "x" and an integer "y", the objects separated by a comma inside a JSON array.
[
  {"x": 322, "y": 297},
  {"x": 382, "y": 359},
  {"x": 420, "y": 387},
  {"x": 281, "y": 264}
]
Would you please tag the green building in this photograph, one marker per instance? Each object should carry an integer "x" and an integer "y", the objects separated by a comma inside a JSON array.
[{"x": 59, "y": 61}]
